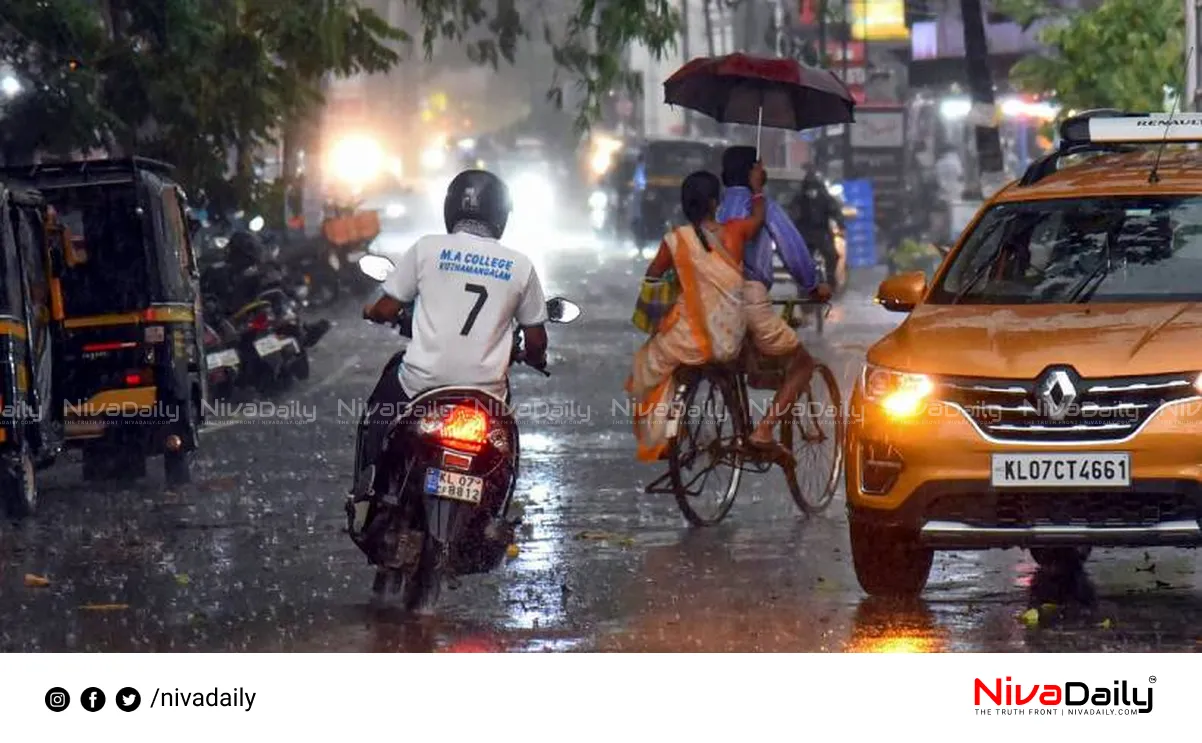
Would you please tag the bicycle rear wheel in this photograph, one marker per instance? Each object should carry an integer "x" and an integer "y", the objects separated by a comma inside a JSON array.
[
  {"x": 703, "y": 451},
  {"x": 814, "y": 432}
]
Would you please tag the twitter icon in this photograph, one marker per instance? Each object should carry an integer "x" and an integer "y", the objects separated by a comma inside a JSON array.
[{"x": 128, "y": 699}]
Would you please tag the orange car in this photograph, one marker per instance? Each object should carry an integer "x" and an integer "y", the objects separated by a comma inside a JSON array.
[{"x": 1044, "y": 392}]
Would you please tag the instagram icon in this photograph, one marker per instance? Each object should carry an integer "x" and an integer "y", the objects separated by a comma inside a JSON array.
[{"x": 57, "y": 699}]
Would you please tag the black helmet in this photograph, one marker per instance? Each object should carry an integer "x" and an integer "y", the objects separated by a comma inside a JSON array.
[{"x": 480, "y": 196}]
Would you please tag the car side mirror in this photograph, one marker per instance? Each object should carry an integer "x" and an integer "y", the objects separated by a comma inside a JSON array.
[
  {"x": 903, "y": 292},
  {"x": 560, "y": 310}
]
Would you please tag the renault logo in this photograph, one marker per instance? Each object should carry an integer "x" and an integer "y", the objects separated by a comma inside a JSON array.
[{"x": 1056, "y": 394}]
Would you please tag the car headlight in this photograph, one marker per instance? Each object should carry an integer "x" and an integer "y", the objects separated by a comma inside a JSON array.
[
  {"x": 900, "y": 394},
  {"x": 394, "y": 211},
  {"x": 598, "y": 200}
]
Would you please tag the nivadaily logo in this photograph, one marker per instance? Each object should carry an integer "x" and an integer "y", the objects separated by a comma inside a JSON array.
[{"x": 1071, "y": 697}]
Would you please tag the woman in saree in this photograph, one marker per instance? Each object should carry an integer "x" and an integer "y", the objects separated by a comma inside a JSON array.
[{"x": 706, "y": 323}]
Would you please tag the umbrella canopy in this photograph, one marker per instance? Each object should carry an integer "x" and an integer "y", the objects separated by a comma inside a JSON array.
[{"x": 776, "y": 93}]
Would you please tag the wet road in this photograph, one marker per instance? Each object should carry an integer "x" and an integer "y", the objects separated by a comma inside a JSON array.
[{"x": 252, "y": 556}]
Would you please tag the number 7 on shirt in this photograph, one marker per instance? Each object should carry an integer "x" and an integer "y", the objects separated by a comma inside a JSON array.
[{"x": 481, "y": 297}]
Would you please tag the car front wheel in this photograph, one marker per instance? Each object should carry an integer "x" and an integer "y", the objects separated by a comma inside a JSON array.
[{"x": 889, "y": 561}]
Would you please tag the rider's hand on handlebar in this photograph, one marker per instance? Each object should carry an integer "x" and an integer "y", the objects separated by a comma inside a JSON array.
[{"x": 822, "y": 293}]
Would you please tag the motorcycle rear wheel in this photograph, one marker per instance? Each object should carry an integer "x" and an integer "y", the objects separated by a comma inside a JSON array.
[{"x": 424, "y": 585}]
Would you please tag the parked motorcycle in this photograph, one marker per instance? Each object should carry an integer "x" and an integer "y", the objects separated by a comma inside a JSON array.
[
  {"x": 222, "y": 359},
  {"x": 451, "y": 463},
  {"x": 271, "y": 341}
]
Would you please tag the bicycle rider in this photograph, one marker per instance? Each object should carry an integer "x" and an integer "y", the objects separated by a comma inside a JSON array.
[{"x": 769, "y": 332}]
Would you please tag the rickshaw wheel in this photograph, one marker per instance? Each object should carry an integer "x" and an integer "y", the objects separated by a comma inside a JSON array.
[
  {"x": 19, "y": 490},
  {"x": 177, "y": 465}
]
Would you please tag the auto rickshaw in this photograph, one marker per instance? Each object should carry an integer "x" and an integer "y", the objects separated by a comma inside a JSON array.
[
  {"x": 30, "y": 421},
  {"x": 131, "y": 368},
  {"x": 667, "y": 162}
]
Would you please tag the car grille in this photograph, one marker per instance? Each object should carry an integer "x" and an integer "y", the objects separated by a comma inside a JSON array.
[
  {"x": 1070, "y": 508},
  {"x": 1104, "y": 409}
]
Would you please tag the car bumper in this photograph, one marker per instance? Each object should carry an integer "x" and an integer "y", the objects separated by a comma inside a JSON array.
[{"x": 931, "y": 476}]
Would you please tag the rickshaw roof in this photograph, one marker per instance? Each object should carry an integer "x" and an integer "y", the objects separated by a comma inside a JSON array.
[{"x": 89, "y": 172}]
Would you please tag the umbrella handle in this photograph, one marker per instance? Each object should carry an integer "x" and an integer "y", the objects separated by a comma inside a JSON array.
[{"x": 759, "y": 128}]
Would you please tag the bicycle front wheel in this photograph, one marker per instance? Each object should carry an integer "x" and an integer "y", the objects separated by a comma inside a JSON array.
[
  {"x": 814, "y": 431},
  {"x": 704, "y": 462}
]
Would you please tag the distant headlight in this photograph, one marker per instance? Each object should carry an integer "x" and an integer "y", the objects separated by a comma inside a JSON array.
[
  {"x": 394, "y": 211},
  {"x": 598, "y": 200},
  {"x": 434, "y": 158},
  {"x": 533, "y": 192}
]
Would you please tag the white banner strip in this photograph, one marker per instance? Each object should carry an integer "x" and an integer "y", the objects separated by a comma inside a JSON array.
[{"x": 724, "y": 698}]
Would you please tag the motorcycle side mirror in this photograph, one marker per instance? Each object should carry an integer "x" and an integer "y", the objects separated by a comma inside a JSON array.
[
  {"x": 560, "y": 310},
  {"x": 376, "y": 266}
]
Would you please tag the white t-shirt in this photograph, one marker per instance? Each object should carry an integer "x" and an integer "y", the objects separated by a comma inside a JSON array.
[{"x": 469, "y": 291}]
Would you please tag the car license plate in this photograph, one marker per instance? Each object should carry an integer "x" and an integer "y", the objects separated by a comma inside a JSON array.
[
  {"x": 454, "y": 486},
  {"x": 222, "y": 359},
  {"x": 1084, "y": 470}
]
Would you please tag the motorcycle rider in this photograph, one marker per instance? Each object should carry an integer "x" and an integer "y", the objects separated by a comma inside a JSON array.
[
  {"x": 468, "y": 291},
  {"x": 813, "y": 211}
]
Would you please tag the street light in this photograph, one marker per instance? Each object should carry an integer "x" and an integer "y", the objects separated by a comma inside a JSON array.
[{"x": 10, "y": 86}]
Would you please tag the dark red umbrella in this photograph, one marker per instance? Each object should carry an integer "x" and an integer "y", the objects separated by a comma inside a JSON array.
[{"x": 776, "y": 93}]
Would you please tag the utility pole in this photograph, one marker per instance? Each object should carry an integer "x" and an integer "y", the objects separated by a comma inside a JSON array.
[
  {"x": 1190, "y": 100},
  {"x": 847, "y": 149},
  {"x": 820, "y": 150},
  {"x": 980, "y": 82}
]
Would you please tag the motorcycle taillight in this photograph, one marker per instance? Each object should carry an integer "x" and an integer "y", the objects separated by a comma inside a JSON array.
[
  {"x": 259, "y": 322},
  {"x": 463, "y": 427}
]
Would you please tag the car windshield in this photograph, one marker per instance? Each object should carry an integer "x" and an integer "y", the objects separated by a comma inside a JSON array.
[
  {"x": 1113, "y": 249},
  {"x": 106, "y": 268},
  {"x": 679, "y": 158}
]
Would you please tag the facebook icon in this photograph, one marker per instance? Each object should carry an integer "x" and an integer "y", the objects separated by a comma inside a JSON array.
[{"x": 92, "y": 699}]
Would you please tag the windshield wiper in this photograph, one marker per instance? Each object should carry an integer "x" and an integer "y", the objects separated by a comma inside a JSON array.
[
  {"x": 988, "y": 264},
  {"x": 1086, "y": 288}
]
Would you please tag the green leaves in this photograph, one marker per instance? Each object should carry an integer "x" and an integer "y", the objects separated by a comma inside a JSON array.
[
  {"x": 1120, "y": 55},
  {"x": 192, "y": 81}
]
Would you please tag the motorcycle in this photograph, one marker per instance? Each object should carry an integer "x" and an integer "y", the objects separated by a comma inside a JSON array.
[
  {"x": 451, "y": 464},
  {"x": 271, "y": 342},
  {"x": 221, "y": 358}
]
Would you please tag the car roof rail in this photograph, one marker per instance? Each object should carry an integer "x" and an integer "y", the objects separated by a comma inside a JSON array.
[{"x": 1120, "y": 133}]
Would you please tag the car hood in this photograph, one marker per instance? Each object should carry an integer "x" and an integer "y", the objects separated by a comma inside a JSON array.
[{"x": 1098, "y": 340}]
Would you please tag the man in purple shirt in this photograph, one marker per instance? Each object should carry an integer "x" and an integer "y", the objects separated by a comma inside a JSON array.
[{"x": 769, "y": 331}]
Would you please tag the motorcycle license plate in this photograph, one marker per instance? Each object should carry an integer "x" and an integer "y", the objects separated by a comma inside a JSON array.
[
  {"x": 222, "y": 359},
  {"x": 270, "y": 344},
  {"x": 454, "y": 486}
]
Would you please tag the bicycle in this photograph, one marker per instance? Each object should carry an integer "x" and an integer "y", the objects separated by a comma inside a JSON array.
[{"x": 728, "y": 399}]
